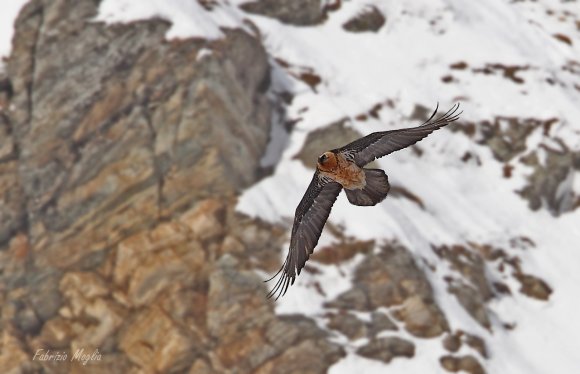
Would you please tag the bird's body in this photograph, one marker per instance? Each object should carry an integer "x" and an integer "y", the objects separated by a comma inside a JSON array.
[
  {"x": 341, "y": 170},
  {"x": 344, "y": 168}
]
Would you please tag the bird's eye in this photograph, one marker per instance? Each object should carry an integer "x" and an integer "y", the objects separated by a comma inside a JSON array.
[{"x": 322, "y": 158}]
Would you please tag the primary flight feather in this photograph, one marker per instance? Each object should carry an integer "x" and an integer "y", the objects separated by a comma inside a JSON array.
[{"x": 344, "y": 168}]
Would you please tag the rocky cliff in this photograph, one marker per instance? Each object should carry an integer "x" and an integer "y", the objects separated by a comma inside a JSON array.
[{"x": 122, "y": 155}]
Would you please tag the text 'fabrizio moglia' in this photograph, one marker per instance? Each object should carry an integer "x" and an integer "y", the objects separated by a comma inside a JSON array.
[{"x": 80, "y": 355}]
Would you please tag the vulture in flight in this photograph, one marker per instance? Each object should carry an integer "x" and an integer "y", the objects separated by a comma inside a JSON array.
[{"x": 344, "y": 168}]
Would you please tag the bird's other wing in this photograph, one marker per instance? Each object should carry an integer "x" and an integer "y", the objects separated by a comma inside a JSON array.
[
  {"x": 379, "y": 144},
  {"x": 311, "y": 215}
]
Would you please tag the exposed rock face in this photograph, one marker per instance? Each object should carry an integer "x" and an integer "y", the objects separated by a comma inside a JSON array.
[
  {"x": 119, "y": 167},
  {"x": 550, "y": 184},
  {"x": 353, "y": 328},
  {"x": 472, "y": 302},
  {"x": 553, "y": 163},
  {"x": 452, "y": 343},
  {"x": 391, "y": 278},
  {"x": 370, "y": 19},
  {"x": 506, "y": 136},
  {"x": 6, "y": 90},
  {"x": 296, "y": 12},
  {"x": 471, "y": 266},
  {"x": 385, "y": 349},
  {"x": 380, "y": 322},
  {"x": 172, "y": 298},
  {"x": 143, "y": 122},
  {"x": 348, "y": 324},
  {"x": 471, "y": 285},
  {"x": 467, "y": 363}
]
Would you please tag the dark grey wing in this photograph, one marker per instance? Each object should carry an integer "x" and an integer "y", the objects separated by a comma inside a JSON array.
[
  {"x": 311, "y": 215},
  {"x": 379, "y": 144}
]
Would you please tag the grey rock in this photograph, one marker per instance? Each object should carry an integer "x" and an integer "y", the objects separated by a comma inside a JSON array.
[
  {"x": 27, "y": 321},
  {"x": 122, "y": 158},
  {"x": 348, "y": 324},
  {"x": 380, "y": 322},
  {"x": 477, "y": 343},
  {"x": 370, "y": 19},
  {"x": 452, "y": 343},
  {"x": 143, "y": 134},
  {"x": 12, "y": 216},
  {"x": 296, "y": 12},
  {"x": 252, "y": 338},
  {"x": 549, "y": 185},
  {"x": 391, "y": 278},
  {"x": 470, "y": 265},
  {"x": 7, "y": 150},
  {"x": 506, "y": 136},
  {"x": 466, "y": 363},
  {"x": 386, "y": 349},
  {"x": 45, "y": 296},
  {"x": 472, "y": 302},
  {"x": 353, "y": 298}
]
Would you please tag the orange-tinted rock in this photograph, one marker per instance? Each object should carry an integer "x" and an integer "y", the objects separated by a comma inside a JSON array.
[
  {"x": 156, "y": 343},
  {"x": 423, "y": 319}
]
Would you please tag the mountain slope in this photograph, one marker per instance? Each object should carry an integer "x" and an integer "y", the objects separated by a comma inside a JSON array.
[
  {"x": 502, "y": 61},
  {"x": 160, "y": 173}
]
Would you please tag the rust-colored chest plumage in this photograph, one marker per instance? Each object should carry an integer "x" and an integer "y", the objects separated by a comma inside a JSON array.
[{"x": 339, "y": 169}]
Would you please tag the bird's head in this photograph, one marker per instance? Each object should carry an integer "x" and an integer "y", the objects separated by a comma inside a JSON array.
[{"x": 327, "y": 161}]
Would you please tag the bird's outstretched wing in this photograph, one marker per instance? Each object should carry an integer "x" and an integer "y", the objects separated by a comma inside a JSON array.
[
  {"x": 379, "y": 144},
  {"x": 311, "y": 215}
]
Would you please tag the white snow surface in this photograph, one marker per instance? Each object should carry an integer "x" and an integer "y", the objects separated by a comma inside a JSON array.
[
  {"x": 9, "y": 10},
  {"x": 464, "y": 202}
]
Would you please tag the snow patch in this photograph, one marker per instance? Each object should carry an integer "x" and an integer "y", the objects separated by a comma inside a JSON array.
[{"x": 10, "y": 10}]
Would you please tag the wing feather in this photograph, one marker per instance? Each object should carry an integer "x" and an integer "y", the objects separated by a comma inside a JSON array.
[
  {"x": 311, "y": 215},
  {"x": 379, "y": 144}
]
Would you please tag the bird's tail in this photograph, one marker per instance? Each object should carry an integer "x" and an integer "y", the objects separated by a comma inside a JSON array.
[{"x": 376, "y": 189}]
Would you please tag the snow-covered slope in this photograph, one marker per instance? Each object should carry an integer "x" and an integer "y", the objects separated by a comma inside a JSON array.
[
  {"x": 465, "y": 202},
  {"x": 8, "y": 12},
  {"x": 499, "y": 59}
]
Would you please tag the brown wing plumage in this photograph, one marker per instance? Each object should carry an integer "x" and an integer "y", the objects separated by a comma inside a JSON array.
[
  {"x": 311, "y": 215},
  {"x": 379, "y": 144}
]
